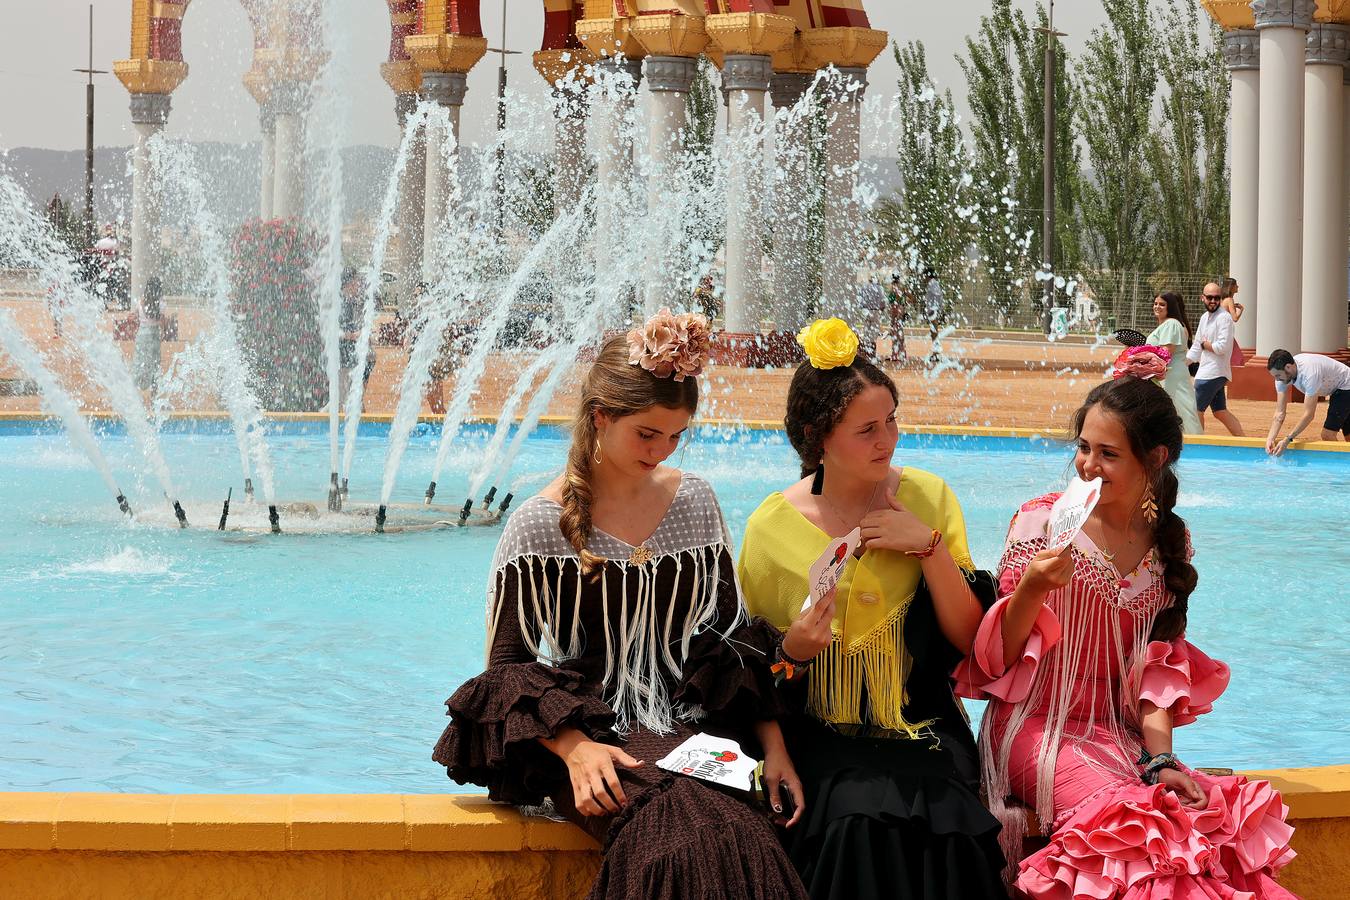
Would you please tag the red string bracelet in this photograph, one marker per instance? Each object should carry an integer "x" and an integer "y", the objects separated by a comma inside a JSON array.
[{"x": 930, "y": 549}]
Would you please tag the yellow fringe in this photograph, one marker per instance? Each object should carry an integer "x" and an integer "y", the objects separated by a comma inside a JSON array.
[{"x": 880, "y": 658}]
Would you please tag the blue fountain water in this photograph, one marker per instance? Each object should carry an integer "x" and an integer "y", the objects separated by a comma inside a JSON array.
[{"x": 136, "y": 657}]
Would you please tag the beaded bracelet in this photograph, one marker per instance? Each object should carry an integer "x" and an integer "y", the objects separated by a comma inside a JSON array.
[
  {"x": 785, "y": 668},
  {"x": 930, "y": 549},
  {"x": 1155, "y": 764}
]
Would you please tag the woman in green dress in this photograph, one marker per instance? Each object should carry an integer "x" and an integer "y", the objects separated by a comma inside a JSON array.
[{"x": 1174, "y": 333}]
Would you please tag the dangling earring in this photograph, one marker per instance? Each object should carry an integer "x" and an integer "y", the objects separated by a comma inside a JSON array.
[
  {"x": 1149, "y": 505},
  {"x": 818, "y": 481},
  {"x": 596, "y": 455}
]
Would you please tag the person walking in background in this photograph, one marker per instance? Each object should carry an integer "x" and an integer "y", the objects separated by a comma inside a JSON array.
[
  {"x": 1228, "y": 290},
  {"x": 1317, "y": 376},
  {"x": 1174, "y": 333},
  {"x": 147, "y": 349},
  {"x": 933, "y": 305},
  {"x": 349, "y": 326},
  {"x": 872, "y": 303},
  {"x": 897, "y": 306},
  {"x": 1212, "y": 347}
]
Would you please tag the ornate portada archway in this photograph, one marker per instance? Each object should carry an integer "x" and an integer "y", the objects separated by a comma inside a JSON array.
[{"x": 763, "y": 47}]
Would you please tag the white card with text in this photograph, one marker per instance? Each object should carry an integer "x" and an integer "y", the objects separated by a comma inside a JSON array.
[
  {"x": 1071, "y": 510},
  {"x": 826, "y": 571},
  {"x": 711, "y": 758}
]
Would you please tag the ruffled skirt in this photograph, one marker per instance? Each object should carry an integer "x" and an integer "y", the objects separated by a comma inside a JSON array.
[
  {"x": 891, "y": 819},
  {"x": 1137, "y": 842}
]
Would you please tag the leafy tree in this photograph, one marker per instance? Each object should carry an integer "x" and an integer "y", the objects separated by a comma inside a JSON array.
[
  {"x": 1004, "y": 68},
  {"x": 701, "y": 111},
  {"x": 1117, "y": 80},
  {"x": 930, "y": 220},
  {"x": 1186, "y": 154}
]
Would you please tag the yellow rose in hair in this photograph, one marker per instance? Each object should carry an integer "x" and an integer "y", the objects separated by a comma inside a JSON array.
[{"x": 829, "y": 343}]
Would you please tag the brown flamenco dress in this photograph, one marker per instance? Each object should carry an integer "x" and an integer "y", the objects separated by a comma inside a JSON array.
[{"x": 647, "y": 655}]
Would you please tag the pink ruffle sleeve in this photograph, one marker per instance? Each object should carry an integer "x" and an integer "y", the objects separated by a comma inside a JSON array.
[
  {"x": 982, "y": 675},
  {"x": 1176, "y": 675}
]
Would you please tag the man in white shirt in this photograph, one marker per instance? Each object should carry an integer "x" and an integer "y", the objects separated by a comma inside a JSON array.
[
  {"x": 1212, "y": 349},
  {"x": 1316, "y": 376}
]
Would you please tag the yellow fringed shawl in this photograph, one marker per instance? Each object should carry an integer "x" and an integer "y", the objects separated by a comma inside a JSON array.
[{"x": 874, "y": 593}]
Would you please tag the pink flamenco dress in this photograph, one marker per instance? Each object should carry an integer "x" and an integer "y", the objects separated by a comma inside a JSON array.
[{"x": 1061, "y": 735}]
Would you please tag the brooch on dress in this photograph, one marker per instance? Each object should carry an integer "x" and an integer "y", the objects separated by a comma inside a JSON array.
[{"x": 641, "y": 555}]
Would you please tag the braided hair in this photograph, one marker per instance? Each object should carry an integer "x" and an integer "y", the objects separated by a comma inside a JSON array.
[
  {"x": 1150, "y": 421},
  {"x": 818, "y": 398},
  {"x": 617, "y": 388}
]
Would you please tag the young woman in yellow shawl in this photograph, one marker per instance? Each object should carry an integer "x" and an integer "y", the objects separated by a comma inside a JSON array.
[{"x": 889, "y": 768}]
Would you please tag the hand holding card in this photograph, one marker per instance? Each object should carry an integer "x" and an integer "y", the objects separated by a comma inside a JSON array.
[
  {"x": 826, "y": 571},
  {"x": 1071, "y": 512}
]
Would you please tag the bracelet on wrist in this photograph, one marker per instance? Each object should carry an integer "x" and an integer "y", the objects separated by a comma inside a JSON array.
[
  {"x": 1153, "y": 764},
  {"x": 933, "y": 541},
  {"x": 785, "y": 668}
]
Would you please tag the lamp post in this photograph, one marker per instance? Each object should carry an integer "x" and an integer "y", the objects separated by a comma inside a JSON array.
[
  {"x": 89, "y": 135},
  {"x": 499, "y": 176},
  {"x": 1048, "y": 170}
]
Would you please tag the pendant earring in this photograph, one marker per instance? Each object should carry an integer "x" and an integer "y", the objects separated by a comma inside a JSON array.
[
  {"x": 818, "y": 481},
  {"x": 595, "y": 457},
  {"x": 1149, "y": 505}
]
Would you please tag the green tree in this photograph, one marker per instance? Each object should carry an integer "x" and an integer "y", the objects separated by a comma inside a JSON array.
[
  {"x": 701, "y": 112},
  {"x": 1117, "y": 82},
  {"x": 1187, "y": 155},
  {"x": 1004, "y": 69},
  {"x": 930, "y": 221}
]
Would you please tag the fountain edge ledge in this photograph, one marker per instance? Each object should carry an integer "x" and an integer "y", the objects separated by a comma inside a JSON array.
[
  {"x": 41, "y": 419},
  {"x": 59, "y": 845}
]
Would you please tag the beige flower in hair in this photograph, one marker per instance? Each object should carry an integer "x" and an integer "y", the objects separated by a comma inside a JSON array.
[{"x": 671, "y": 346}]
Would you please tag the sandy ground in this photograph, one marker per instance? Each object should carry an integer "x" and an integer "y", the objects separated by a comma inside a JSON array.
[{"x": 986, "y": 381}]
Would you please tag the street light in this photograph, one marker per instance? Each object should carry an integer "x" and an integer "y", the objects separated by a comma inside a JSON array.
[
  {"x": 1048, "y": 172},
  {"x": 499, "y": 177},
  {"x": 89, "y": 136}
]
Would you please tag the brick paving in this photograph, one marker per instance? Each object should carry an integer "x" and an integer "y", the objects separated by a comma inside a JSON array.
[{"x": 999, "y": 382}]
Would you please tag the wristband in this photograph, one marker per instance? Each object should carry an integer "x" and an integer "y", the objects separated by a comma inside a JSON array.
[
  {"x": 928, "y": 551},
  {"x": 1152, "y": 765},
  {"x": 785, "y": 668}
]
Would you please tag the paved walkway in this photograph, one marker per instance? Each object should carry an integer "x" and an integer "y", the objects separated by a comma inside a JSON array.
[{"x": 987, "y": 381}]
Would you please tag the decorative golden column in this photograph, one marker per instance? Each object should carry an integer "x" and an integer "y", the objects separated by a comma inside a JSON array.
[
  {"x": 155, "y": 68},
  {"x": 403, "y": 76},
  {"x": 448, "y": 43},
  {"x": 746, "y": 40}
]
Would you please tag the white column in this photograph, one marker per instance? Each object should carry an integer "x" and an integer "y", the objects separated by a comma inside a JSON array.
[
  {"x": 746, "y": 80},
  {"x": 268, "y": 121},
  {"x": 839, "y": 267},
  {"x": 149, "y": 113},
  {"x": 288, "y": 195},
  {"x": 613, "y": 123},
  {"x": 1324, "y": 250},
  {"x": 410, "y": 213},
  {"x": 669, "y": 79},
  {"x": 1242, "y": 53},
  {"x": 1283, "y": 26},
  {"x": 445, "y": 89},
  {"x": 793, "y": 304}
]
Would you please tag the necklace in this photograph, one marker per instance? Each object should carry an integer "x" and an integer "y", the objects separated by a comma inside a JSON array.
[{"x": 834, "y": 509}]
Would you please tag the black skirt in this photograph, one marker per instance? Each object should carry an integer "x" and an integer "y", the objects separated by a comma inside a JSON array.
[{"x": 887, "y": 816}]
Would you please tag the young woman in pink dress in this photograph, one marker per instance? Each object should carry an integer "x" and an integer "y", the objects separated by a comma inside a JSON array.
[{"x": 1085, "y": 661}]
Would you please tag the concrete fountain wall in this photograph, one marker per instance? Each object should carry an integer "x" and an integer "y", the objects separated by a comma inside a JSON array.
[{"x": 57, "y": 846}]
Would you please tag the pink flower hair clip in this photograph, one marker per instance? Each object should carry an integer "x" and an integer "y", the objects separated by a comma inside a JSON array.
[
  {"x": 671, "y": 346},
  {"x": 1145, "y": 362}
]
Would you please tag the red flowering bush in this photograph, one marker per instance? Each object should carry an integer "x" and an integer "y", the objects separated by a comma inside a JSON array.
[{"x": 275, "y": 307}]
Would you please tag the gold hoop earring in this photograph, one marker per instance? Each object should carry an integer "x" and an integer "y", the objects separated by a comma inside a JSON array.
[
  {"x": 595, "y": 457},
  {"x": 1149, "y": 505}
]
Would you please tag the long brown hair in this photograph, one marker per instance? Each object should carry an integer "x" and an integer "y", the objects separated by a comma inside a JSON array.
[
  {"x": 1150, "y": 421},
  {"x": 617, "y": 388}
]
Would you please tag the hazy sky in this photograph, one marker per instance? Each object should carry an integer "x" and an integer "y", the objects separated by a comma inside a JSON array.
[{"x": 42, "y": 100}]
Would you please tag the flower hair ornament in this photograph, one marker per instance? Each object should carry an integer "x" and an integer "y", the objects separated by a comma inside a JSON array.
[
  {"x": 1145, "y": 362},
  {"x": 671, "y": 346},
  {"x": 829, "y": 343}
]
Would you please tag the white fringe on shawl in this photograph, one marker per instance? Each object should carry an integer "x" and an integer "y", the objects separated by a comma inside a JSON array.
[
  {"x": 1090, "y": 611},
  {"x": 641, "y": 634}
]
